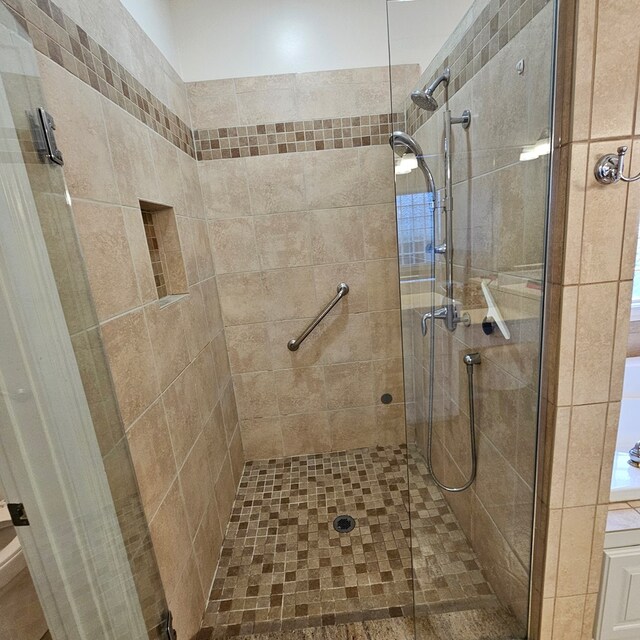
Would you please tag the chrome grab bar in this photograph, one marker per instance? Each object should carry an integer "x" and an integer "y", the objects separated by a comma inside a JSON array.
[{"x": 294, "y": 345}]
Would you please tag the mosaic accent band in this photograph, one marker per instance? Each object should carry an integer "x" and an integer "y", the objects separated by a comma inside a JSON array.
[
  {"x": 58, "y": 37},
  {"x": 296, "y": 136}
]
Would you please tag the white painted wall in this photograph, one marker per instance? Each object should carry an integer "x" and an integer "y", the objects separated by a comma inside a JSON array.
[
  {"x": 212, "y": 39},
  {"x": 154, "y": 16},
  {"x": 418, "y": 29},
  {"x": 237, "y": 38}
]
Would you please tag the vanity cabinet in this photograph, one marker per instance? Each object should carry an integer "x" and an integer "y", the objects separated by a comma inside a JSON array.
[{"x": 619, "y": 600}]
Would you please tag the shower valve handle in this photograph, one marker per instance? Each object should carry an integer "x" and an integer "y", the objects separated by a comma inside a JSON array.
[{"x": 439, "y": 313}]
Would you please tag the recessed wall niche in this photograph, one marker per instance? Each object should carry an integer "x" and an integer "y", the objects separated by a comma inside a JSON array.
[{"x": 165, "y": 253}]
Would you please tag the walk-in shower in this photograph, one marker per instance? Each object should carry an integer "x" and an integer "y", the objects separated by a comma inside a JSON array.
[{"x": 271, "y": 449}]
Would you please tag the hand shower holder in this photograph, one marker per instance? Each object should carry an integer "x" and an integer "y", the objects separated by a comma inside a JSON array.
[
  {"x": 610, "y": 168},
  {"x": 464, "y": 119}
]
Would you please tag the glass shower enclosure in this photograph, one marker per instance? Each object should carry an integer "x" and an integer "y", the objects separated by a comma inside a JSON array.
[
  {"x": 471, "y": 103},
  {"x": 63, "y": 454},
  {"x": 471, "y": 201}
]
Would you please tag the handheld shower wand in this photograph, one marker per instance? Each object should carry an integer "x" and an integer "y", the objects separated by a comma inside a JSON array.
[{"x": 402, "y": 142}]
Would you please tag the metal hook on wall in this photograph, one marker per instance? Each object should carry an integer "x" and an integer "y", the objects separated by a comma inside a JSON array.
[{"x": 610, "y": 168}]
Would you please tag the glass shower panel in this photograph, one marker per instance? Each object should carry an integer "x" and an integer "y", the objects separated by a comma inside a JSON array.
[
  {"x": 471, "y": 277},
  {"x": 88, "y": 539}
]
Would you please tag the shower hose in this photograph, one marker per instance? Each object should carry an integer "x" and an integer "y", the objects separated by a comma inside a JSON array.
[{"x": 470, "y": 359}]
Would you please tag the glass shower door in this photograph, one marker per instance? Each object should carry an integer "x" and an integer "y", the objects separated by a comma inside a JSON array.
[
  {"x": 86, "y": 545},
  {"x": 471, "y": 265}
]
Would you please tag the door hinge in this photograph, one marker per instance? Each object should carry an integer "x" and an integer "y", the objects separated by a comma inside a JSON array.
[
  {"x": 169, "y": 631},
  {"x": 43, "y": 126},
  {"x": 18, "y": 514}
]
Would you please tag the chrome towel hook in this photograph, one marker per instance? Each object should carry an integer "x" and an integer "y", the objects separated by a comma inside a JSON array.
[{"x": 610, "y": 168}]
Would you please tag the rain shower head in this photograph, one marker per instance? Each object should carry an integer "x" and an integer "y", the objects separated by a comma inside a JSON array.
[
  {"x": 424, "y": 99},
  {"x": 402, "y": 142}
]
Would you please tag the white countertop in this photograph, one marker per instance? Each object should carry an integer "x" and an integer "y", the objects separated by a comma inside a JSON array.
[{"x": 625, "y": 479}]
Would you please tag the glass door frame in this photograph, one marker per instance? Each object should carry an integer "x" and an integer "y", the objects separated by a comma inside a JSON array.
[{"x": 49, "y": 455}]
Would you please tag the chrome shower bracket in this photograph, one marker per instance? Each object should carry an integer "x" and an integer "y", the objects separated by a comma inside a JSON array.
[
  {"x": 610, "y": 168},
  {"x": 464, "y": 119}
]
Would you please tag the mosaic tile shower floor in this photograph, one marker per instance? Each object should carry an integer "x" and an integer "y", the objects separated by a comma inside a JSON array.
[{"x": 283, "y": 566}]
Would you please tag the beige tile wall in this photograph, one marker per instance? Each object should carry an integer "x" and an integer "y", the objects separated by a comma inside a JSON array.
[
  {"x": 234, "y": 102},
  {"x": 169, "y": 364},
  {"x": 633, "y": 342},
  {"x": 64, "y": 253},
  {"x": 286, "y": 229},
  {"x": 592, "y": 270},
  {"x": 499, "y": 207}
]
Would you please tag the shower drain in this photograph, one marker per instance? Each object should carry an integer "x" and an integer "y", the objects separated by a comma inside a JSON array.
[{"x": 344, "y": 524}]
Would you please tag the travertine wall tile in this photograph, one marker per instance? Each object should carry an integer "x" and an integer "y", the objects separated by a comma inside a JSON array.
[
  {"x": 286, "y": 229},
  {"x": 583, "y": 69},
  {"x": 617, "y": 24},
  {"x": 599, "y": 256},
  {"x": 594, "y": 343},
  {"x": 168, "y": 362},
  {"x": 584, "y": 453},
  {"x": 603, "y": 224}
]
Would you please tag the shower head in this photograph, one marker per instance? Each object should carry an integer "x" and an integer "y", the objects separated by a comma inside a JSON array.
[
  {"x": 402, "y": 142},
  {"x": 424, "y": 99}
]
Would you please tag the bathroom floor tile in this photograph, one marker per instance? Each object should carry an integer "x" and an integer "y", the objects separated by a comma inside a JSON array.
[
  {"x": 283, "y": 566},
  {"x": 494, "y": 623}
]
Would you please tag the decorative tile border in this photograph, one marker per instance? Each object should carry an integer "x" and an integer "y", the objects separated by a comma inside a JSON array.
[
  {"x": 295, "y": 136},
  {"x": 498, "y": 23},
  {"x": 59, "y": 38}
]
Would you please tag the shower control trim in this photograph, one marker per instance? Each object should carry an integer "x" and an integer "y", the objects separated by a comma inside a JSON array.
[
  {"x": 437, "y": 314},
  {"x": 448, "y": 313}
]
